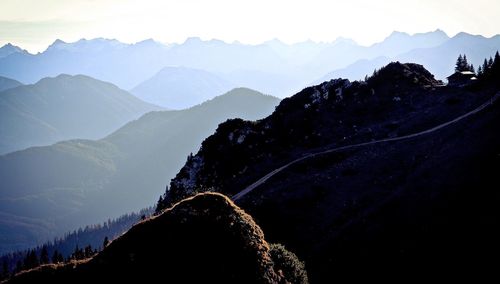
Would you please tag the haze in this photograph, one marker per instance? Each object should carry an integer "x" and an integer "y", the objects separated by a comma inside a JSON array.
[{"x": 35, "y": 24}]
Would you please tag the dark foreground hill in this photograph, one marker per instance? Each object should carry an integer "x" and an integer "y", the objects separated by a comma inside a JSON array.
[
  {"x": 401, "y": 209},
  {"x": 204, "y": 239},
  {"x": 47, "y": 191}
]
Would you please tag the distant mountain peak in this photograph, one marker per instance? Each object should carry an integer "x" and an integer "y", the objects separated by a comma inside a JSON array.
[
  {"x": 399, "y": 34},
  {"x": 274, "y": 41},
  {"x": 57, "y": 42},
  {"x": 9, "y": 48},
  {"x": 345, "y": 40},
  {"x": 9, "y": 45},
  {"x": 465, "y": 35},
  {"x": 439, "y": 31},
  {"x": 56, "y": 45},
  {"x": 147, "y": 41},
  {"x": 437, "y": 34},
  {"x": 192, "y": 40}
]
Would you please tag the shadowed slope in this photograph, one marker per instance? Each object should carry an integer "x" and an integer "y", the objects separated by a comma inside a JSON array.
[{"x": 203, "y": 239}]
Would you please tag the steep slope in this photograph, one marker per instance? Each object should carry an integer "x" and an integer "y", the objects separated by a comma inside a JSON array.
[
  {"x": 7, "y": 83},
  {"x": 64, "y": 107},
  {"x": 427, "y": 208},
  {"x": 419, "y": 206},
  {"x": 207, "y": 235},
  {"x": 357, "y": 112},
  {"x": 180, "y": 87},
  {"x": 80, "y": 182}
]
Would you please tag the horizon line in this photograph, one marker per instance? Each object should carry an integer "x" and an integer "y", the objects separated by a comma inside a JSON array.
[{"x": 202, "y": 39}]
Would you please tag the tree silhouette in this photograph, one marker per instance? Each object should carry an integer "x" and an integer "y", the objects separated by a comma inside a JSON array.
[
  {"x": 485, "y": 66},
  {"x": 5, "y": 270},
  {"x": 462, "y": 64},
  {"x": 57, "y": 257},
  {"x": 31, "y": 260},
  {"x": 459, "y": 63},
  {"x": 105, "y": 242},
  {"x": 44, "y": 255}
]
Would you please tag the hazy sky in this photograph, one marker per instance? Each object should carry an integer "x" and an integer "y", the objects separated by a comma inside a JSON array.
[{"x": 34, "y": 24}]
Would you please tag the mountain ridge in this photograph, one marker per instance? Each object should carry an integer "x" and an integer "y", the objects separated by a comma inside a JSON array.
[
  {"x": 289, "y": 66},
  {"x": 181, "y": 87},
  {"x": 64, "y": 107},
  {"x": 357, "y": 211}
]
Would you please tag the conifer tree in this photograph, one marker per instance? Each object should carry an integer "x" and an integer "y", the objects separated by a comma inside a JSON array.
[
  {"x": 55, "y": 257},
  {"x": 5, "y": 270},
  {"x": 44, "y": 255},
  {"x": 485, "y": 66},
  {"x": 105, "y": 242},
  {"x": 465, "y": 64},
  {"x": 459, "y": 63},
  {"x": 19, "y": 266},
  {"x": 31, "y": 260},
  {"x": 496, "y": 62}
]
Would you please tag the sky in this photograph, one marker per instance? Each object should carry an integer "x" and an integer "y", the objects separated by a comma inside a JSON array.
[{"x": 34, "y": 24}]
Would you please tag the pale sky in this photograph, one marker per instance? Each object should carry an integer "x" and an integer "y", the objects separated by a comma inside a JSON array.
[{"x": 34, "y": 24}]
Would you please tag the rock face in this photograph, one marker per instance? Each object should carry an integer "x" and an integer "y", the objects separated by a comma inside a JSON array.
[{"x": 203, "y": 239}]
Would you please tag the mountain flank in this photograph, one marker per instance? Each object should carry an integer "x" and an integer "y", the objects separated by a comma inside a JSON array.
[
  {"x": 62, "y": 108},
  {"x": 421, "y": 206}
]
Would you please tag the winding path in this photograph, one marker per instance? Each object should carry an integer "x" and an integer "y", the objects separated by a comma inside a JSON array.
[{"x": 262, "y": 180}]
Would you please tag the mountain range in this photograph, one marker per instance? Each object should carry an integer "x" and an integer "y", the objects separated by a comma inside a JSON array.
[
  {"x": 61, "y": 108},
  {"x": 127, "y": 169},
  {"x": 272, "y": 67},
  {"x": 437, "y": 59},
  {"x": 389, "y": 178}
]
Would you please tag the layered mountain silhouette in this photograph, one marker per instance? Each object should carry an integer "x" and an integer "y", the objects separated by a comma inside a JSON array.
[
  {"x": 385, "y": 179},
  {"x": 7, "y": 83},
  {"x": 345, "y": 52},
  {"x": 272, "y": 67},
  {"x": 64, "y": 107},
  {"x": 127, "y": 169},
  {"x": 180, "y": 88},
  {"x": 204, "y": 239},
  {"x": 9, "y": 49},
  {"x": 437, "y": 59}
]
